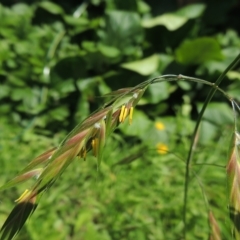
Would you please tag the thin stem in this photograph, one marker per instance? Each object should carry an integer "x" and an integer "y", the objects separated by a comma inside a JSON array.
[
  {"x": 208, "y": 164},
  {"x": 234, "y": 104},
  {"x": 190, "y": 153},
  {"x": 214, "y": 85},
  {"x": 171, "y": 78}
]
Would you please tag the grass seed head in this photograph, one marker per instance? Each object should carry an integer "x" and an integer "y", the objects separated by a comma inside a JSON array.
[{"x": 88, "y": 135}]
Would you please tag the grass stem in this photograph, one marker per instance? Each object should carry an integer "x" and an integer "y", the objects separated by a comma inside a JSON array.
[{"x": 190, "y": 152}]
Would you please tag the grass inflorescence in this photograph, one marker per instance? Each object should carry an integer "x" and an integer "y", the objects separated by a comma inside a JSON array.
[{"x": 89, "y": 137}]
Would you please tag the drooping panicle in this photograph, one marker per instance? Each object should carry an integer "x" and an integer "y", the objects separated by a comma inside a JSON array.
[{"x": 89, "y": 135}]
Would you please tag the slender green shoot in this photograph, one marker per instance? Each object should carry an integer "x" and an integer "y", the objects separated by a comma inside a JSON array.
[{"x": 190, "y": 153}]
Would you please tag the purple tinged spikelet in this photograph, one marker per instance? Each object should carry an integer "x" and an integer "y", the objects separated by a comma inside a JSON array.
[
  {"x": 233, "y": 177},
  {"x": 215, "y": 230},
  {"x": 89, "y": 135}
]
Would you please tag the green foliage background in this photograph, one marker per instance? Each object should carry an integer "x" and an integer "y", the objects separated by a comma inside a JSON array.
[{"x": 58, "y": 57}]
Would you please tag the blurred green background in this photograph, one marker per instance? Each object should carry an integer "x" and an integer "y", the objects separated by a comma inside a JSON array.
[{"x": 57, "y": 58}]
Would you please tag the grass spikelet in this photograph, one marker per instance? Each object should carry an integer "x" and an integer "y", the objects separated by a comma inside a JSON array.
[
  {"x": 30, "y": 170},
  {"x": 17, "y": 218},
  {"x": 233, "y": 177},
  {"x": 23, "y": 177},
  {"x": 42, "y": 159},
  {"x": 215, "y": 230},
  {"x": 88, "y": 135}
]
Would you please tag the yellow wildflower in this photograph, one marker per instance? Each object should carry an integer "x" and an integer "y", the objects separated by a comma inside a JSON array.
[
  {"x": 159, "y": 126},
  {"x": 95, "y": 146},
  {"x": 162, "y": 148}
]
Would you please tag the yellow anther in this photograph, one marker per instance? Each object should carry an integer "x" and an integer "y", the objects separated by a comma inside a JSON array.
[
  {"x": 131, "y": 115},
  {"x": 125, "y": 114},
  {"x": 95, "y": 143},
  {"x": 22, "y": 196},
  {"x": 122, "y": 113}
]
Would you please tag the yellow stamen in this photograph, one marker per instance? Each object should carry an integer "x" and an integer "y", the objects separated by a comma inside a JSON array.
[
  {"x": 95, "y": 144},
  {"x": 131, "y": 115},
  {"x": 125, "y": 114},
  {"x": 121, "y": 113},
  {"x": 22, "y": 196}
]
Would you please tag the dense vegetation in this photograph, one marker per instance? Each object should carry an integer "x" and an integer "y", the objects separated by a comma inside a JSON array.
[{"x": 57, "y": 58}]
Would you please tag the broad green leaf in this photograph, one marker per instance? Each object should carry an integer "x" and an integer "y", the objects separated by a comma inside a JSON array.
[
  {"x": 165, "y": 60},
  {"x": 233, "y": 90},
  {"x": 85, "y": 85},
  {"x": 108, "y": 51},
  {"x": 169, "y": 20},
  {"x": 76, "y": 21},
  {"x": 20, "y": 94},
  {"x": 145, "y": 66},
  {"x": 65, "y": 87},
  {"x": 95, "y": 2},
  {"x": 51, "y": 7},
  {"x": 59, "y": 114},
  {"x": 23, "y": 10},
  {"x": 212, "y": 67},
  {"x": 139, "y": 127},
  {"x": 184, "y": 85},
  {"x": 233, "y": 75},
  {"x": 157, "y": 93},
  {"x": 173, "y": 21},
  {"x": 216, "y": 66},
  {"x": 122, "y": 29},
  {"x": 207, "y": 132},
  {"x": 80, "y": 10},
  {"x": 192, "y": 10},
  {"x": 4, "y": 50},
  {"x": 218, "y": 113},
  {"x": 198, "y": 51},
  {"x": 89, "y": 46},
  {"x": 143, "y": 7},
  {"x": 100, "y": 54},
  {"x": 4, "y": 91}
]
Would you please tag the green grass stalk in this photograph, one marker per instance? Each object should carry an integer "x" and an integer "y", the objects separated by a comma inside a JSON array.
[{"x": 190, "y": 152}]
